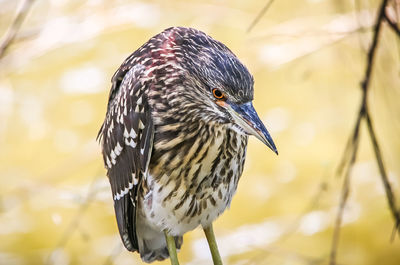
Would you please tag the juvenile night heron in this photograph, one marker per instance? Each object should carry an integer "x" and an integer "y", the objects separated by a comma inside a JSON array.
[{"x": 174, "y": 139}]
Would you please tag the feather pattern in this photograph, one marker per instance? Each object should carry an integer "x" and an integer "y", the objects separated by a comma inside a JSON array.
[{"x": 127, "y": 139}]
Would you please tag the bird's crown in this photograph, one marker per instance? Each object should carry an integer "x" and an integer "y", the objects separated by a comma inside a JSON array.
[{"x": 210, "y": 61}]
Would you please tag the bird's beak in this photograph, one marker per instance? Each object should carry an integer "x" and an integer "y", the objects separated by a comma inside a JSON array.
[{"x": 246, "y": 117}]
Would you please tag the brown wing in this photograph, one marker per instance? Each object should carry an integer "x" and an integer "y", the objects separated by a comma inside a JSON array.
[{"x": 127, "y": 140}]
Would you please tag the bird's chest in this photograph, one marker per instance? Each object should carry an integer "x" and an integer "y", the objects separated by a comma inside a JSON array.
[{"x": 195, "y": 184}]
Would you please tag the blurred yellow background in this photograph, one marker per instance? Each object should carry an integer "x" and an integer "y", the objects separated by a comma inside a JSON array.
[{"x": 307, "y": 58}]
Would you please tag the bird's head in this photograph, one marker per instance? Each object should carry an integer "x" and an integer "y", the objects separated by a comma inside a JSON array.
[{"x": 222, "y": 84}]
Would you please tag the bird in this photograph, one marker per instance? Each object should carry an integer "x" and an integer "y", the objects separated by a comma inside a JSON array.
[{"x": 174, "y": 139}]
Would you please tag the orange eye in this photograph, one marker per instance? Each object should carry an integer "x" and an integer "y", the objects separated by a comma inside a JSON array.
[{"x": 218, "y": 94}]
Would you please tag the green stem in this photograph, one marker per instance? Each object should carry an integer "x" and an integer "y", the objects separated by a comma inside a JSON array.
[
  {"x": 171, "y": 249},
  {"x": 212, "y": 243}
]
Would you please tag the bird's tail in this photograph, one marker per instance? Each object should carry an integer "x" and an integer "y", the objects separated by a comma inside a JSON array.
[{"x": 152, "y": 243}]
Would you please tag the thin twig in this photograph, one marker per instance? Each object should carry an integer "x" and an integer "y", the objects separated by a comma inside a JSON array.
[
  {"x": 338, "y": 222},
  {"x": 393, "y": 25},
  {"x": 360, "y": 23},
  {"x": 352, "y": 149},
  {"x": 347, "y": 151},
  {"x": 312, "y": 33},
  {"x": 365, "y": 84},
  {"x": 260, "y": 15},
  {"x": 15, "y": 26},
  {"x": 372, "y": 49},
  {"x": 288, "y": 256},
  {"x": 388, "y": 188},
  {"x": 74, "y": 224},
  {"x": 352, "y": 145}
]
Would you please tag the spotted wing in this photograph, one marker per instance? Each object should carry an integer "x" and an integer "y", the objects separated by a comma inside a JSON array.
[{"x": 127, "y": 140}]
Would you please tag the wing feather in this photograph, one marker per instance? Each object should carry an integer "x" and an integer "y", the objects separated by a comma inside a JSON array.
[{"x": 127, "y": 140}]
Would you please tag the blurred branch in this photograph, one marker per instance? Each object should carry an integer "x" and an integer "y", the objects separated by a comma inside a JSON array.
[
  {"x": 388, "y": 188},
  {"x": 74, "y": 224},
  {"x": 351, "y": 151},
  {"x": 294, "y": 225},
  {"x": 352, "y": 145},
  {"x": 82, "y": 209},
  {"x": 392, "y": 24},
  {"x": 260, "y": 15},
  {"x": 360, "y": 23},
  {"x": 365, "y": 86},
  {"x": 288, "y": 257},
  {"x": 314, "y": 33},
  {"x": 15, "y": 27}
]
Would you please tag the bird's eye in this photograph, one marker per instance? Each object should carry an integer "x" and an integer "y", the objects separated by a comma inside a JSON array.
[{"x": 218, "y": 94}]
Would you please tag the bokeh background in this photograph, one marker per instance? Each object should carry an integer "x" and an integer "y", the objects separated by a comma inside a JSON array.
[{"x": 307, "y": 57}]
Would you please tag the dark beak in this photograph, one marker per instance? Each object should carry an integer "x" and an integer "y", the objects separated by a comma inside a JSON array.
[{"x": 246, "y": 117}]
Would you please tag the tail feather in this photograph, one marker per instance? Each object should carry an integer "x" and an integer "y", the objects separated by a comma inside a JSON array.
[{"x": 124, "y": 211}]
